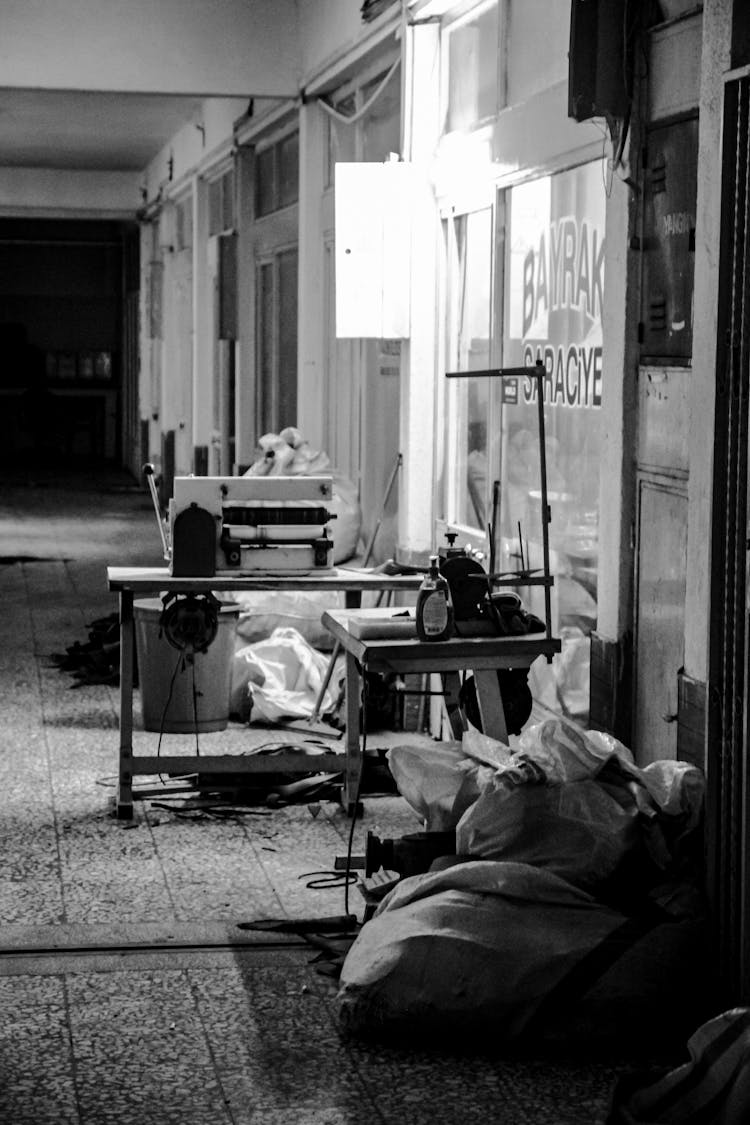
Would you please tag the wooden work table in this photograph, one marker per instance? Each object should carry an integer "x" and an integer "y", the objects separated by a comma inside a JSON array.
[
  {"x": 484, "y": 656},
  {"x": 129, "y": 582}
]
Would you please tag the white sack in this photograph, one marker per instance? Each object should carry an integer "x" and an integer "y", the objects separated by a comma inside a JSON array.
[
  {"x": 577, "y": 831},
  {"x": 438, "y": 781},
  {"x": 478, "y": 944},
  {"x": 281, "y": 676},
  {"x": 574, "y": 802},
  {"x": 262, "y": 611}
]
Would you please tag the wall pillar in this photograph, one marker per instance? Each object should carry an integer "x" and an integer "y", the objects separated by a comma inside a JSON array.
[{"x": 419, "y": 373}]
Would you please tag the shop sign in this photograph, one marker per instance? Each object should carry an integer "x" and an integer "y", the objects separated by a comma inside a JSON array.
[{"x": 555, "y": 287}]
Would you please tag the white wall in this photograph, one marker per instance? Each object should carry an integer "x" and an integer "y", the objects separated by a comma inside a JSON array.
[
  {"x": 235, "y": 47},
  {"x": 208, "y": 136},
  {"x": 67, "y": 194},
  {"x": 327, "y": 28}
]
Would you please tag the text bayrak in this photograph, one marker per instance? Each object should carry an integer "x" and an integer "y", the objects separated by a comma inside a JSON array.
[{"x": 564, "y": 272}]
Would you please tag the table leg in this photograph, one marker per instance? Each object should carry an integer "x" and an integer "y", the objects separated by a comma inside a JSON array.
[
  {"x": 451, "y": 689},
  {"x": 490, "y": 703},
  {"x": 124, "y": 797},
  {"x": 353, "y": 745}
]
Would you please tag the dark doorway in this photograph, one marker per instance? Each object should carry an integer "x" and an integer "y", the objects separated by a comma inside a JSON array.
[{"x": 62, "y": 311}]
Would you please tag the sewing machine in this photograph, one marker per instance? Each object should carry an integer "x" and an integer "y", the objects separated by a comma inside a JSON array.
[{"x": 248, "y": 525}]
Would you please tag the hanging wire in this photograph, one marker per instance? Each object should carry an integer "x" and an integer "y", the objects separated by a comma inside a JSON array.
[
  {"x": 195, "y": 707},
  {"x": 180, "y": 660},
  {"x": 352, "y": 118},
  {"x": 320, "y": 880}
]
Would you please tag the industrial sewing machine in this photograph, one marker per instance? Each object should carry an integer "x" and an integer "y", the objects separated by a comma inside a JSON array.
[{"x": 247, "y": 525}]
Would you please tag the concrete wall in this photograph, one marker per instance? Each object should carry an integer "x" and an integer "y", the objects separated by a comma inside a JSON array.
[
  {"x": 234, "y": 47},
  {"x": 208, "y": 138},
  {"x": 326, "y": 27},
  {"x": 66, "y": 194}
]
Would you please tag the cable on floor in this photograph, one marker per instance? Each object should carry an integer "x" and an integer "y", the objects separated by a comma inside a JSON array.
[{"x": 325, "y": 880}]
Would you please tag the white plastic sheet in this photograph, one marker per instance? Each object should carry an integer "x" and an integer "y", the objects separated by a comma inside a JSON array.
[
  {"x": 279, "y": 678},
  {"x": 288, "y": 454},
  {"x": 439, "y": 781}
]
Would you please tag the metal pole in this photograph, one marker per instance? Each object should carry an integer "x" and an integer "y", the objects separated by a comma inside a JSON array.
[
  {"x": 148, "y": 472},
  {"x": 546, "y": 516}
]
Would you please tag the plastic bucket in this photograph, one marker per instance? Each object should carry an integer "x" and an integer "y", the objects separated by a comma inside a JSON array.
[{"x": 200, "y": 684}]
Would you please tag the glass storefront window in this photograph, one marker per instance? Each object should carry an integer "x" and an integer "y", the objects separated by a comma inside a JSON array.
[
  {"x": 550, "y": 309},
  {"x": 469, "y": 322},
  {"x": 374, "y": 130},
  {"x": 473, "y": 61},
  {"x": 381, "y": 125},
  {"x": 342, "y": 137},
  {"x": 277, "y": 175},
  {"x": 552, "y": 312}
]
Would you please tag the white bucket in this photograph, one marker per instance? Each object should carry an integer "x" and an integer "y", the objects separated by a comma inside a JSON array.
[{"x": 200, "y": 683}]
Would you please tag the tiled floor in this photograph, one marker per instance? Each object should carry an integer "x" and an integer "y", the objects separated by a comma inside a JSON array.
[{"x": 127, "y": 991}]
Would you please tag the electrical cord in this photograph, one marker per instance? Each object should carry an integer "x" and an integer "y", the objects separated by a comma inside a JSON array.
[
  {"x": 163, "y": 719},
  {"x": 324, "y": 880},
  {"x": 190, "y": 624},
  {"x": 191, "y": 659},
  {"x": 351, "y": 118},
  {"x": 350, "y": 844}
]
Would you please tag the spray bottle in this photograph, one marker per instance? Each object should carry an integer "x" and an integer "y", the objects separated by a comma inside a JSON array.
[{"x": 434, "y": 607}]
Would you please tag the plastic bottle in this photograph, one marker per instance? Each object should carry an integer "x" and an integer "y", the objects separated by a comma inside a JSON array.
[{"x": 434, "y": 608}]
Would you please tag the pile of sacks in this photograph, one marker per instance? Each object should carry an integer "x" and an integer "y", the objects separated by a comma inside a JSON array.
[{"x": 570, "y": 910}]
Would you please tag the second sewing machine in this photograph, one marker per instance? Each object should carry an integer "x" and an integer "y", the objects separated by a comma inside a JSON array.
[{"x": 247, "y": 525}]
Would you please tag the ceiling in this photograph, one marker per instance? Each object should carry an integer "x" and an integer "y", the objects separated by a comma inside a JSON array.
[{"x": 95, "y": 131}]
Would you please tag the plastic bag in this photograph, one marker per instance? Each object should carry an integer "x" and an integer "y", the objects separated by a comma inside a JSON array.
[
  {"x": 288, "y": 454},
  {"x": 278, "y": 678},
  {"x": 565, "y": 752},
  {"x": 439, "y": 781},
  {"x": 479, "y": 944},
  {"x": 574, "y": 802},
  {"x": 499, "y": 950},
  {"x": 577, "y": 831},
  {"x": 714, "y": 1086},
  {"x": 262, "y": 611}
]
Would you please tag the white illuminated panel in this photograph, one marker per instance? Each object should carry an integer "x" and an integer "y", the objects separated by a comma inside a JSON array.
[{"x": 373, "y": 249}]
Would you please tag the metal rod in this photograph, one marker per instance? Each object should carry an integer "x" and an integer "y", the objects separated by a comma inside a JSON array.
[
  {"x": 493, "y": 524},
  {"x": 493, "y": 373},
  {"x": 546, "y": 515},
  {"x": 386, "y": 497},
  {"x": 536, "y": 372},
  {"x": 148, "y": 472}
]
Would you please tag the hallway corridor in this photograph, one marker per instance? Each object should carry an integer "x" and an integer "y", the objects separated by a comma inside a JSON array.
[{"x": 127, "y": 992}]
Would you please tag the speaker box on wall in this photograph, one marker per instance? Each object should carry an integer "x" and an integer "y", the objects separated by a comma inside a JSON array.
[{"x": 599, "y": 58}]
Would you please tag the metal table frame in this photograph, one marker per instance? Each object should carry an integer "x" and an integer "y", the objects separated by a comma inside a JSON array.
[
  {"x": 484, "y": 656},
  {"x": 130, "y": 582}
]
